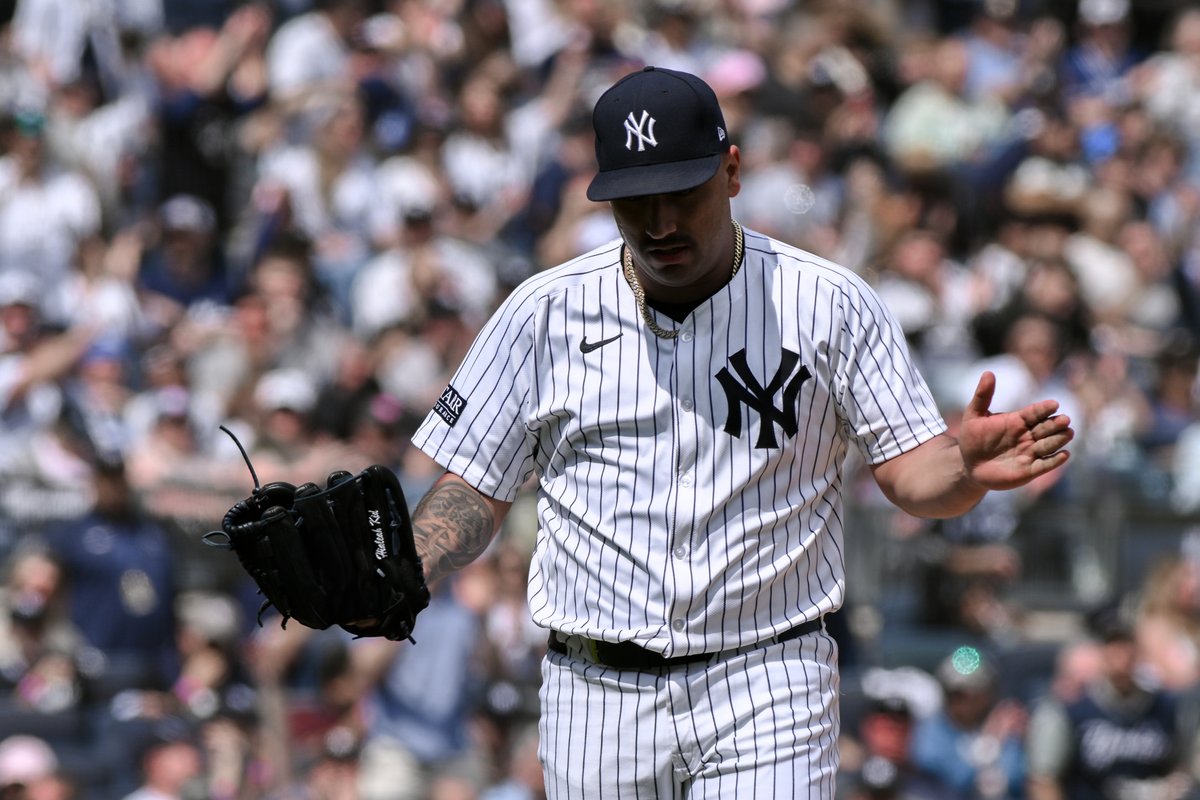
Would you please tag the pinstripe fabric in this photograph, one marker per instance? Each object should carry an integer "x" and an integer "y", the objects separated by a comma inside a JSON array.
[
  {"x": 760, "y": 724},
  {"x": 661, "y": 521},
  {"x": 689, "y": 500}
]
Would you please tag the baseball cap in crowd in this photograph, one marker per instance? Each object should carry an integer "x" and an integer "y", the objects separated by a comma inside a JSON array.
[
  {"x": 286, "y": 389},
  {"x": 891, "y": 705},
  {"x": 184, "y": 212},
  {"x": 1109, "y": 623},
  {"x": 966, "y": 670},
  {"x": 172, "y": 402},
  {"x": 25, "y": 759},
  {"x": 657, "y": 131},
  {"x": 213, "y": 616},
  {"x": 30, "y": 122},
  {"x": 19, "y": 288},
  {"x": 1103, "y": 12}
]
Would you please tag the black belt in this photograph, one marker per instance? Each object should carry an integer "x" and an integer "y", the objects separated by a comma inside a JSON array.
[{"x": 627, "y": 655}]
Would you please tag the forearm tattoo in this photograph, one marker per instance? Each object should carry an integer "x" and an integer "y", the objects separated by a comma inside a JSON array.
[{"x": 452, "y": 526}]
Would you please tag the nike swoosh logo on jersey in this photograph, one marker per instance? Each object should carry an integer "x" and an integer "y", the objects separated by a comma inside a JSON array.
[{"x": 586, "y": 347}]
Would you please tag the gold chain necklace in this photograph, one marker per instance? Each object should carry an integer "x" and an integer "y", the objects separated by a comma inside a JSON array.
[{"x": 639, "y": 294}]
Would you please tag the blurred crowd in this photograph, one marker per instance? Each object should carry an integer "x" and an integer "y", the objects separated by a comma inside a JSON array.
[{"x": 290, "y": 217}]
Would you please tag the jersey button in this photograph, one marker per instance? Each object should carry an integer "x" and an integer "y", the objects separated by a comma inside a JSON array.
[
  {"x": 687, "y": 404},
  {"x": 677, "y": 624},
  {"x": 681, "y": 551},
  {"x": 685, "y": 481},
  {"x": 686, "y": 336}
]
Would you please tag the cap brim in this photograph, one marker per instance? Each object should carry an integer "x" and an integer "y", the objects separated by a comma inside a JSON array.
[{"x": 649, "y": 179}]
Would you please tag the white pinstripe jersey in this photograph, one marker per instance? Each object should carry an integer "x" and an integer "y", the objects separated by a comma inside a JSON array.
[{"x": 690, "y": 490}]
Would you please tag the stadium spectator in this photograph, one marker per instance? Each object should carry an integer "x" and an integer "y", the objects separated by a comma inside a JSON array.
[
  {"x": 933, "y": 125},
  {"x": 311, "y": 52},
  {"x": 48, "y": 211},
  {"x": 211, "y": 88},
  {"x": 120, "y": 578},
  {"x": 185, "y": 266},
  {"x": 1168, "y": 623},
  {"x": 1098, "y": 64},
  {"x": 326, "y": 188},
  {"x": 422, "y": 701},
  {"x": 30, "y": 770},
  {"x": 1119, "y": 739},
  {"x": 39, "y": 647},
  {"x": 196, "y": 195},
  {"x": 169, "y": 759},
  {"x": 974, "y": 744},
  {"x": 885, "y": 729}
]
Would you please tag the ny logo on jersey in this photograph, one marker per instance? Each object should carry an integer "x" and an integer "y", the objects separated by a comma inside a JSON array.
[
  {"x": 761, "y": 398},
  {"x": 642, "y": 129}
]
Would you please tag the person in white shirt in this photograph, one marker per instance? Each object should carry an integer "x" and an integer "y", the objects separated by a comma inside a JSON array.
[
  {"x": 310, "y": 53},
  {"x": 45, "y": 211}
]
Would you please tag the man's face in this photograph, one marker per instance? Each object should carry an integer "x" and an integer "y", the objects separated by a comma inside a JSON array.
[
  {"x": 1120, "y": 663},
  {"x": 967, "y": 708},
  {"x": 112, "y": 492},
  {"x": 19, "y": 321},
  {"x": 887, "y": 735},
  {"x": 673, "y": 236},
  {"x": 27, "y": 149}
]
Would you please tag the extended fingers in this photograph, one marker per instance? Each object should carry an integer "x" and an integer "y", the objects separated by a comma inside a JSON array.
[
  {"x": 1042, "y": 465},
  {"x": 1051, "y": 435},
  {"x": 1051, "y": 426},
  {"x": 1037, "y": 413}
]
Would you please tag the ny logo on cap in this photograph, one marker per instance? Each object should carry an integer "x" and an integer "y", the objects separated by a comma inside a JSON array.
[{"x": 643, "y": 129}]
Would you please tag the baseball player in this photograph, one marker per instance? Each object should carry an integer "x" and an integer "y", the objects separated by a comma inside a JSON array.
[{"x": 686, "y": 396}]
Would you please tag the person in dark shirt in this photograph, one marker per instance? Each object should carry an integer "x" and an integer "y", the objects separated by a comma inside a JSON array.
[
  {"x": 1119, "y": 739},
  {"x": 185, "y": 266},
  {"x": 210, "y": 82},
  {"x": 120, "y": 580}
]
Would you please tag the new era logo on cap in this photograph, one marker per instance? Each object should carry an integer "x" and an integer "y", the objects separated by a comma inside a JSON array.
[{"x": 657, "y": 131}]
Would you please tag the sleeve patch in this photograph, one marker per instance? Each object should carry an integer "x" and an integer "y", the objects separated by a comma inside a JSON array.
[{"x": 450, "y": 405}]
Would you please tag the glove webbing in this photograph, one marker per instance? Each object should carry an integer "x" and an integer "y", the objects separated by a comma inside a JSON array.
[{"x": 224, "y": 542}]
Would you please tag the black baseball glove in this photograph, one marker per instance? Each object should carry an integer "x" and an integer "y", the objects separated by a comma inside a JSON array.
[{"x": 339, "y": 555}]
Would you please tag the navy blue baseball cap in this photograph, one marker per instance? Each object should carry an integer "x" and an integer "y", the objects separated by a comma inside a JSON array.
[{"x": 657, "y": 131}]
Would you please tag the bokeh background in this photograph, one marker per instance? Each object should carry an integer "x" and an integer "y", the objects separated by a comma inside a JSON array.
[{"x": 291, "y": 217}]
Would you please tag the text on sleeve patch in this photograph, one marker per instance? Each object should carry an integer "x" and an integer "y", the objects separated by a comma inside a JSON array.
[{"x": 450, "y": 405}]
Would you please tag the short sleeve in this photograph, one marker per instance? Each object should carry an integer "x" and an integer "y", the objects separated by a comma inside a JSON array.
[
  {"x": 886, "y": 403},
  {"x": 477, "y": 428}
]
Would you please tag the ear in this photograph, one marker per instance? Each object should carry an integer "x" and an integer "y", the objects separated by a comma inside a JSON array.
[{"x": 733, "y": 170}]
